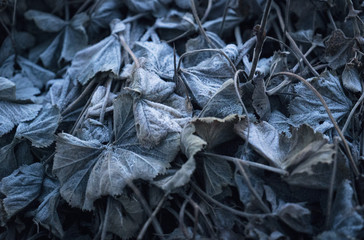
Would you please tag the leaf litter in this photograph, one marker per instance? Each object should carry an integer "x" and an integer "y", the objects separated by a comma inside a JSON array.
[{"x": 181, "y": 119}]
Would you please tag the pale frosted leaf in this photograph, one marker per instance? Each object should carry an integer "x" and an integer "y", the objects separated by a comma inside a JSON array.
[
  {"x": 20, "y": 188},
  {"x": 223, "y": 103},
  {"x": 351, "y": 78},
  {"x": 45, "y": 21},
  {"x": 103, "y": 56},
  {"x": 46, "y": 213},
  {"x": 306, "y": 108},
  {"x": 41, "y": 130},
  {"x": 7, "y": 89},
  {"x": 16, "y": 113},
  {"x": 72, "y": 165}
]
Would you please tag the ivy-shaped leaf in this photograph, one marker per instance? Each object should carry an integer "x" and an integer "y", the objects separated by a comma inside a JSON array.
[
  {"x": 306, "y": 108},
  {"x": 20, "y": 189}
]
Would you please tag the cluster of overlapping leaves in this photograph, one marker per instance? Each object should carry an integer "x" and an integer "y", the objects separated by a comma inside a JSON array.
[{"x": 115, "y": 124}]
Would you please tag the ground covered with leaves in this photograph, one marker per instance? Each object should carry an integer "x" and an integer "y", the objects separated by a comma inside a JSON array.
[{"x": 174, "y": 119}]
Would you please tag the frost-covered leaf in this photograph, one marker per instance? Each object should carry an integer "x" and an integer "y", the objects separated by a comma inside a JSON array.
[
  {"x": 351, "y": 78},
  {"x": 103, "y": 14},
  {"x": 306, "y": 108},
  {"x": 306, "y": 155},
  {"x": 45, "y": 21},
  {"x": 307, "y": 36},
  {"x": 25, "y": 89},
  {"x": 339, "y": 49},
  {"x": 103, "y": 56},
  {"x": 72, "y": 165},
  {"x": 346, "y": 222},
  {"x": 93, "y": 129},
  {"x": 40, "y": 131},
  {"x": 125, "y": 216},
  {"x": 12, "y": 114},
  {"x": 158, "y": 58},
  {"x": 223, "y": 103},
  {"x": 46, "y": 213},
  {"x": 64, "y": 46},
  {"x": 20, "y": 189},
  {"x": 296, "y": 216},
  {"x": 36, "y": 74},
  {"x": 96, "y": 170},
  {"x": 280, "y": 122},
  {"x": 157, "y": 7},
  {"x": 207, "y": 77},
  {"x": 7, "y": 89},
  {"x": 261, "y": 102},
  {"x": 157, "y": 110}
]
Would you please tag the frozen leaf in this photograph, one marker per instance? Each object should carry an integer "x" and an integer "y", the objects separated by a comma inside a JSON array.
[
  {"x": 207, "y": 77},
  {"x": 103, "y": 56},
  {"x": 339, "y": 49},
  {"x": 14, "y": 113},
  {"x": 346, "y": 222},
  {"x": 157, "y": 7},
  {"x": 65, "y": 45},
  {"x": 306, "y": 108},
  {"x": 126, "y": 215},
  {"x": 200, "y": 42},
  {"x": 223, "y": 103},
  {"x": 41, "y": 130},
  {"x": 72, "y": 165},
  {"x": 351, "y": 78},
  {"x": 261, "y": 102},
  {"x": 93, "y": 129},
  {"x": 97, "y": 170},
  {"x": 158, "y": 58},
  {"x": 231, "y": 20},
  {"x": 306, "y": 155},
  {"x": 36, "y": 74},
  {"x": 45, "y": 21},
  {"x": 20, "y": 188},
  {"x": 307, "y": 36},
  {"x": 25, "y": 89},
  {"x": 8, "y": 161},
  {"x": 296, "y": 216},
  {"x": 103, "y": 15},
  {"x": 7, "y": 89},
  {"x": 280, "y": 122},
  {"x": 157, "y": 110},
  {"x": 46, "y": 213}
]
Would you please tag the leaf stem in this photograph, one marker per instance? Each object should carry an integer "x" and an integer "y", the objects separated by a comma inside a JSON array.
[
  {"x": 197, "y": 19},
  {"x": 106, "y": 100},
  {"x": 260, "y": 39},
  {"x": 227, "y": 208},
  {"x": 248, "y": 163},
  {"x": 332, "y": 184},
  {"x": 357, "y": 104},
  {"x": 322, "y": 100}
]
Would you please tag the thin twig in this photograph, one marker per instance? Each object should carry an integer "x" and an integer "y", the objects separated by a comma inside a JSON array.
[
  {"x": 332, "y": 185},
  {"x": 224, "y": 17},
  {"x": 298, "y": 51},
  {"x": 154, "y": 214},
  {"x": 83, "y": 6},
  {"x": 197, "y": 19},
  {"x": 322, "y": 100},
  {"x": 82, "y": 95},
  {"x": 236, "y": 75},
  {"x": 331, "y": 19},
  {"x": 106, "y": 100},
  {"x": 146, "y": 207},
  {"x": 248, "y": 163},
  {"x": 262, "y": 205},
  {"x": 357, "y": 104},
  {"x": 181, "y": 219},
  {"x": 260, "y": 39},
  {"x": 127, "y": 48},
  {"x": 207, "y": 12},
  {"x": 227, "y": 208},
  {"x": 104, "y": 225},
  {"x": 237, "y": 34}
]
